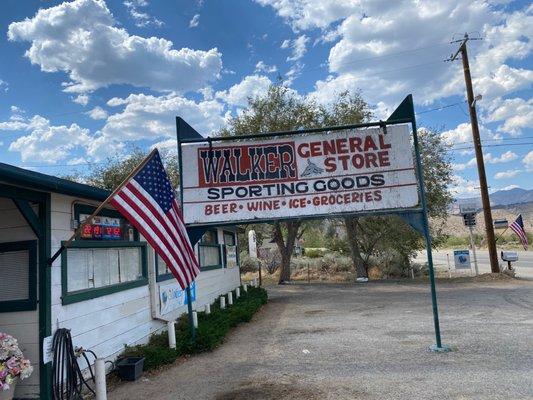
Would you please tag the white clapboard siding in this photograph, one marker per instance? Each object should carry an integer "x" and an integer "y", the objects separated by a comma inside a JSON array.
[
  {"x": 107, "y": 324},
  {"x": 23, "y": 325}
]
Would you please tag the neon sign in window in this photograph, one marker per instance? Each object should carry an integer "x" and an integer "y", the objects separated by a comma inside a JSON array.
[{"x": 102, "y": 228}]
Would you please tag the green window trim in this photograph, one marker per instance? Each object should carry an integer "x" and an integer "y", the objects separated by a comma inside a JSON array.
[
  {"x": 211, "y": 267},
  {"x": 87, "y": 294},
  {"x": 162, "y": 277},
  {"x": 30, "y": 303}
]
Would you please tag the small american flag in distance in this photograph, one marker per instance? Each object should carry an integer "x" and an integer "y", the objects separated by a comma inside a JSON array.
[
  {"x": 148, "y": 202},
  {"x": 518, "y": 227}
]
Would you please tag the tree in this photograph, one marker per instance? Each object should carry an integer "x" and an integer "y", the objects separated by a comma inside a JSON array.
[
  {"x": 115, "y": 169},
  {"x": 375, "y": 235}
]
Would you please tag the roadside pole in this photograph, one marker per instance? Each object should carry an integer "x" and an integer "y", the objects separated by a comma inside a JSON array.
[
  {"x": 473, "y": 245},
  {"x": 487, "y": 213},
  {"x": 438, "y": 346},
  {"x": 449, "y": 268}
]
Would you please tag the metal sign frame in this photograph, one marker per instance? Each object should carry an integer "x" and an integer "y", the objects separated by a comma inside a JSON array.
[{"x": 416, "y": 216}]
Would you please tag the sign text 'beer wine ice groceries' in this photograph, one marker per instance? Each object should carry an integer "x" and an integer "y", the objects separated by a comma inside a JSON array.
[{"x": 321, "y": 173}]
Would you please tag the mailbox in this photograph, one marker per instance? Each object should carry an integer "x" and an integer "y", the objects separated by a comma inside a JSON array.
[{"x": 509, "y": 256}]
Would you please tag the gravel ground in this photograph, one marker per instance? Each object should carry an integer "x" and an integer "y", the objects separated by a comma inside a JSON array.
[{"x": 346, "y": 341}]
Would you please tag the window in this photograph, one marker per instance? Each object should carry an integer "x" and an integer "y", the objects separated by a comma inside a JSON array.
[
  {"x": 229, "y": 238},
  {"x": 18, "y": 269},
  {"x": 230, "y": 250},
  {"x": 209, "y": 251},
  {"x": 97, "y": 268},
  {"x": 162, "y": 271}
]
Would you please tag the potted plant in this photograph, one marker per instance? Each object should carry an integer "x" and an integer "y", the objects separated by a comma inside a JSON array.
[{"x": 13, "y": 366}]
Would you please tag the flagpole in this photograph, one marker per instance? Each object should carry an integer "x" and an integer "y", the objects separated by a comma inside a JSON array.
[
  {"x": 188, "y": 290},
  {"x": 89, "y": 219}
]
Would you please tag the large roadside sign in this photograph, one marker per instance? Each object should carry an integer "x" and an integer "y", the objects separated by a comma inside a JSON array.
[{"x": 312, "y": 174}]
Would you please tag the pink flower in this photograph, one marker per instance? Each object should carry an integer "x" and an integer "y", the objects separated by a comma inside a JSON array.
[{"x": 12, "y": 363}]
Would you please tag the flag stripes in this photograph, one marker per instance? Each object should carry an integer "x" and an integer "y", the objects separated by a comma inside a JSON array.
[
  {"x": 148, "y": 202},
  {"x": 518, "y": 227}
]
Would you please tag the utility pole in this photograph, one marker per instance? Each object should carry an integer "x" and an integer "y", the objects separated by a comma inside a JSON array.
[{"x": 491, "y": 242}]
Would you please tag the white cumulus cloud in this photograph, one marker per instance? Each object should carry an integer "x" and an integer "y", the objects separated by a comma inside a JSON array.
[
  {"x": 250, "y": 86},
  {"x": 45, "y": 142},
  {"x": 98, "y": 113},
  {"x": 528, "y": 161},
  {"x": 152, "y": 118},
  {"x": 391, "y": 48},
  {"x": 517, "y": 114},
  {"x": 511, "y": 173},
  {"x": 82, "y": 39}
]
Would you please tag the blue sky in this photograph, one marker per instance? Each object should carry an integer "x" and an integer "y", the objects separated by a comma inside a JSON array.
[{"x": 83, "y": 80}]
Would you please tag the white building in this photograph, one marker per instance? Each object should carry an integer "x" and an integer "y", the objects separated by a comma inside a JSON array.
[{"x": 108, "y": 287}]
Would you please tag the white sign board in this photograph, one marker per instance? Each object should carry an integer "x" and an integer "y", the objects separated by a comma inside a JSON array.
[
  {"x": 231, "y": 256},
  {"x": 468, "y": 208},
  {"x": 172, "y": 296},
  {"x": 48, "y": 353},
  {"x": 462, "y": 259},
  {"x": 323, "y": 173}
]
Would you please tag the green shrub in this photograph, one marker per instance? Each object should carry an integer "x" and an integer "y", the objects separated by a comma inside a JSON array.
[
  {"x": 211, "y": 330},
  {"x": 247, "y": 263},
  {"x": 314, "y": 252}
]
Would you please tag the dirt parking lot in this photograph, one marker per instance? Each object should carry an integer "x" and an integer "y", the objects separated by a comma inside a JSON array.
[{"x": 347, "y": 341}]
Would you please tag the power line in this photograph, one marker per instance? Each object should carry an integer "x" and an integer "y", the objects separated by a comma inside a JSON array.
[
  {"x": 497, "y": 140},
  {"x": 385, "y": 55},
  {"x": 491, "y": 145},
  {"x": 441, "y": 108}
]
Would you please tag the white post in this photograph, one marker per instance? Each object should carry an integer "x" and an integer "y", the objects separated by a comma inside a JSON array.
[
  {"x": 473, "y": 245},
  {"x": 195, "y": 319},
  {"x": 208, "y": 309},
  {"x": 230, "y": 298},
  {"x": 222, "y": 302},
  {"x": 245, "y": 287},
  {"x": 99, "y": 378},
  {"x": 238, "y": 292},
  {"x": 171, "y": 335},
  {"x": 449, "y": 268}
]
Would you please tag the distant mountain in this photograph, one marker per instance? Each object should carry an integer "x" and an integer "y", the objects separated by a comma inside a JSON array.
[{"x": 503, "y": 197}]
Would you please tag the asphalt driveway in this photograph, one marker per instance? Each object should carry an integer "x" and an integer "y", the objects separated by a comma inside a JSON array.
[{"x": 347, "y": 341}]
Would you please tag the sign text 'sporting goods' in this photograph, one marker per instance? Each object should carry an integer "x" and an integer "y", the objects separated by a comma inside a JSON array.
[{"x": 321, "y": 173}]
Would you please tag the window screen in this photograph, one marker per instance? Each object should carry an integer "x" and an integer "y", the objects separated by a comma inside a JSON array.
[
  {"x": 89, "y": 268},
  {"x": 14, "y": 270},
  {"x": 17, "y": 270},
  {"x": 162, "y": 268},
  {"x": 209, "y": 255},
  {"x": 229, "y": 239}
]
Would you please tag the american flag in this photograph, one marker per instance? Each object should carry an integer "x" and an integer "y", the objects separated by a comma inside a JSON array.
[
  {"x": 147, "y": 200},
  {"x": 518, "y": 227}
]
